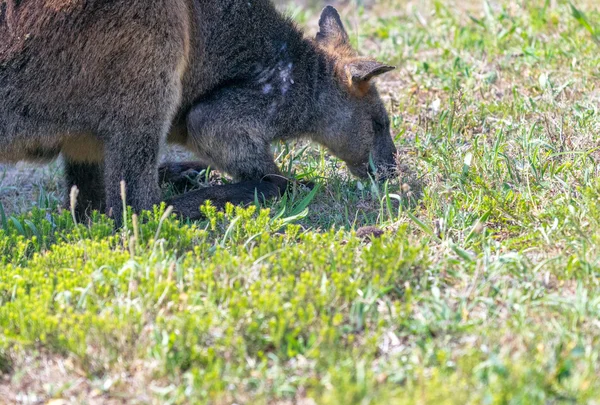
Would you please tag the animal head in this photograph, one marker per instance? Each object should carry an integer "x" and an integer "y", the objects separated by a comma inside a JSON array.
[{"x": 356, "y": 125}]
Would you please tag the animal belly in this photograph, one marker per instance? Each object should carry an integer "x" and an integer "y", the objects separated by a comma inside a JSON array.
[
  {"x": 28, "y": 151},
  {"x": 79, "y": 148},
  {"x": 84, "y": 148}
]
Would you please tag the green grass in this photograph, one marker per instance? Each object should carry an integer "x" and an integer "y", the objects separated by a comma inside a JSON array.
[{"x": 484, "y": 288}]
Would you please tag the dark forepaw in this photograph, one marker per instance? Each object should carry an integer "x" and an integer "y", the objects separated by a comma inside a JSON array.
[{"x": 182, "y": 176}]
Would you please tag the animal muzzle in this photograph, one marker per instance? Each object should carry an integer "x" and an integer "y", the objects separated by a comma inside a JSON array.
[
  {"x": 385, "y": 165},
  {"x": 377, "y": 169}
]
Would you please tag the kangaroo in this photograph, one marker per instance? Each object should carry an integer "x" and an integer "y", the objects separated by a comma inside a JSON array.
[{"x": 106, "y": 82}]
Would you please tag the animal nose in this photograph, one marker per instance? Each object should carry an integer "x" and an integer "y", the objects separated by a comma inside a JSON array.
[{"x": 385, "y": 168}]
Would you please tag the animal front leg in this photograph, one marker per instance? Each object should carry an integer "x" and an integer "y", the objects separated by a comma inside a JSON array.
[
  {"x": 236, "y": 144},
  {"x": 259, "y": 187}
]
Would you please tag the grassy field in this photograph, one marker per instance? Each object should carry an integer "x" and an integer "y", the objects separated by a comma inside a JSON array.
[{"x": 483, "y": 289}]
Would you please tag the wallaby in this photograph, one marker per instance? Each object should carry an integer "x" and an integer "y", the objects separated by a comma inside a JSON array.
[{"x": 105, "y": 82}]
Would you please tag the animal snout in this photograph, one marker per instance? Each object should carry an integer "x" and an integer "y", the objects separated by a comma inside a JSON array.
[{"x": 385, "y": 164}]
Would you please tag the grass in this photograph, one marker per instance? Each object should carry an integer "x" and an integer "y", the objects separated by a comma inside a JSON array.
[{"x": 483, "y": 289}]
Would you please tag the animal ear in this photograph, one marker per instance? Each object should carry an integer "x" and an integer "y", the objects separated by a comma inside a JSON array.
[
  {"x": 331, "y": 27},
  {"x": 364, "y": 70}
]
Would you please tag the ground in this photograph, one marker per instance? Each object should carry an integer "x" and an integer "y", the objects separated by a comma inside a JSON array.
[{"x": 482, "y": 288}]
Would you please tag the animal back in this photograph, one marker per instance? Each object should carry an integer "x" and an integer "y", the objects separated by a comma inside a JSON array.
[{"x": 22, "y": 20}]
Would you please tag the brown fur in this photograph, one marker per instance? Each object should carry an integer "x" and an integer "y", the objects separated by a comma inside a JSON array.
[
  {"x": 105, "y": 81},
  {"x": 100, "y": 81}
]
